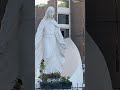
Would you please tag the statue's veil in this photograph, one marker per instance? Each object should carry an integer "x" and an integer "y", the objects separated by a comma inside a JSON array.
[{"x": 50, "y": 8}]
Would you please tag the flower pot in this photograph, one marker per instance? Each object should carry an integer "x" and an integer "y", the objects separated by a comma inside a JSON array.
[{"x": 55, "y": 85}]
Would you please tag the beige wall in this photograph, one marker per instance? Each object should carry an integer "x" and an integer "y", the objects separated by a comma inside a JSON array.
[
  {"x": 78, "y": 25},
  {"x": 39, "y": 14}
]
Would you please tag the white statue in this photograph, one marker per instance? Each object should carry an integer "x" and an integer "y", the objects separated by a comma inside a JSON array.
[{"x": 49, "y": 44}]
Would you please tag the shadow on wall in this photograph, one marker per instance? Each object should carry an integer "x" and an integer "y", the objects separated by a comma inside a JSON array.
[{"x": 97, "y": 70}]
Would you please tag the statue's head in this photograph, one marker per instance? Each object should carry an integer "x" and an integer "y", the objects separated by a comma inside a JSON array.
[{"x": 50, "y": 12}]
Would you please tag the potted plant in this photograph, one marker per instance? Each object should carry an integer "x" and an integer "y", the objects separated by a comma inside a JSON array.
[
  {"x": 42, "y": 66},
  {"x": 66, "y": 84},
  {"x": 63, "y": 83},
  {"x": 53, "y": 80}
]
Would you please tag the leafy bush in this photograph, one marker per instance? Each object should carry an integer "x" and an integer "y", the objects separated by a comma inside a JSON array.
[{"x": 56, "y": 76}]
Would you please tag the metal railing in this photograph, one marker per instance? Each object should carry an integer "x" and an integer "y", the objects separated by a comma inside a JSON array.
[{"x": 72, "y": 88}]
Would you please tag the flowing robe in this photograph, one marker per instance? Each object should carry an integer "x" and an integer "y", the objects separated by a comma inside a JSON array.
[{"x": 49, "y": 44}]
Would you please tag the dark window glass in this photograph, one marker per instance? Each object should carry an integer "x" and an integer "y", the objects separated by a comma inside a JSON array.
[
  {"x": 65, "y": 33},
  {"x": 63, "y": 19}
]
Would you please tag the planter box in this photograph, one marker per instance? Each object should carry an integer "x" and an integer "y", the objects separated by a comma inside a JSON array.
[{"x": 55, "y": 85}]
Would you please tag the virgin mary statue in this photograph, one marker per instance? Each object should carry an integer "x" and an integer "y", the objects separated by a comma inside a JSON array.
[{"x": 49, "y": 44}]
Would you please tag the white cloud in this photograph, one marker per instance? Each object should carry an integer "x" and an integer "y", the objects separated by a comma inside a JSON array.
[{"x": 41, "y": 2}]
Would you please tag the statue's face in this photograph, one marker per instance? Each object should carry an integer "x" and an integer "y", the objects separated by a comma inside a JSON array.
[{"x": 51, "y": 13}]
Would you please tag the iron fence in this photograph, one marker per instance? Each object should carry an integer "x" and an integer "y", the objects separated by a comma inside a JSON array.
[{"x": 72, "y": 88}]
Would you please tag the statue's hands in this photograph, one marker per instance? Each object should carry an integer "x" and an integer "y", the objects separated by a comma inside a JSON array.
[{"x": 64, "y": 46}]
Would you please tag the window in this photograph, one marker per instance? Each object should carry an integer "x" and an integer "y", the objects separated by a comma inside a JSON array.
[
  {"x": 65, "y": 33},
  {"x": 63, "y": 3},
  {"x": 63, "y": 19}
]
